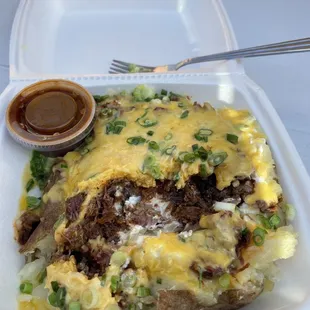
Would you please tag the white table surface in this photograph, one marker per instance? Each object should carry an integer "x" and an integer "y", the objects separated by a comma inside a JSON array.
[{"x": 285, "y": 79}]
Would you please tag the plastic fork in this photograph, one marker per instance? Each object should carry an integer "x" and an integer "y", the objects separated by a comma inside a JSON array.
[{"x": 285, "y": 47}]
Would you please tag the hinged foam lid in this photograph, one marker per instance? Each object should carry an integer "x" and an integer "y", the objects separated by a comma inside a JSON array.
[{"x": 73, "y": 38}]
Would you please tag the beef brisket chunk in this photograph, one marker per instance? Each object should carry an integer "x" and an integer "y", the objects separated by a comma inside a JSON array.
[{"x": 73, "y": 206}]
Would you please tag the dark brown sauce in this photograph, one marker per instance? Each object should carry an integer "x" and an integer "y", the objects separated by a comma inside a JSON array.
[{"x": 50, "y": 112}]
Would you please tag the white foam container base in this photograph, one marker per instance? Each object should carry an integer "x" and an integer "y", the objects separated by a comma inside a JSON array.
[{"x": 235, "y": 90}]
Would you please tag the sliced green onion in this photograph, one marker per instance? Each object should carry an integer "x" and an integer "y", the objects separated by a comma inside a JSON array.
[
  {"x": 259, "y": 236},
  {"x": 153, "y": 146},
  {"x": 168, "y": 136},
  {"x": 132, "y": 307},
  {"x": 174, "y": 96},
  {"x": 244, "y": 232},
  {"x": 84, "y": 151},
  {"x": 159, "y": 281},
  {"x": 136, "y": 140},
  {"x": 115, "y": 127},
  {"x": 103, "y": 280},
  {"x": 42, "y": 275},
  {"x": 52, "y": 299},
  {"x": 176, "y": 177},
  {"x": 115, "y": 283},
  {"x": 143, "y": 291},
  {"x": 274, "y": 221},
  {"x": 170, "y": 150},
  {"x": 55, "y": 286},
  {"x": 264, "y": 221},
  {"x": 195, "y": 147},
  {"x": 99, "y": 98},
  {"x": 64, "y": 166},
  {"x": 29, "y": 185},
  {"x": 33, "y": 202},
  {"x": 203, "y": 134},
  {"x": 119, "y": 258},
  {"x": 132, "y": 68},
  {"x": 143, "y": 115},
  {"x": 202, "y": 153},
  {"x": 150, "y": 133},
  {"x": 224, "y": 280},
  {"x": 217, "y": 158},
  {"x": 232, "y": 138},
  {"x": 61, "y": 297},
  {"x": 200, "y": 277},
  {"x": 189, "y": 158},
  {"x": 147, "y": 122},
  {"x": 150, "y": 166},
  {"x": 129, "y": 279},
  {"x": 203, "y": 170},
  {"x": 106, "y": 112},
  {"x": 181, "y": 104},
  {"x": 26, "y": 288},
  {"x": 75, "y": 305},
  {"x": 184, "y": 114},
  {"x": 164, "y": 92}
]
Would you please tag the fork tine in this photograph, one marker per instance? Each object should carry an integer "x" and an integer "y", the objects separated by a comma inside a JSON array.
[
  {"x": 113, "y": 72},
  {"x": 120, "y": 66},
  {"x": 127, "y": 64},
  {"x": 121, "y": 62},
  {"x": 119, "y": 70}
]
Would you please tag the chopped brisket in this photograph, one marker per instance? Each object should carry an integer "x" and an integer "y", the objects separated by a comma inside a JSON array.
[
  {"x": 28, "y": 222},
  {"x": 73, "y": 206}
]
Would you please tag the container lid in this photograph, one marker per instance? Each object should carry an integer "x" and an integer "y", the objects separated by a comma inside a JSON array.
[{"x": 74, "y": 38}]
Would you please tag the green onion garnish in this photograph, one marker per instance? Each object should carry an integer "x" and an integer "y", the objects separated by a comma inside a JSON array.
[
  {"x": 84, "y": 151},
  {"x": 159, "y": 281},
  {"x": 259, "y": 236},
  {"x": 99, "y": 98},
  {"x": 61, "y": 297},
  {"x": 115, "y": 283},
  {"x": 169, "y": 150},
  {"x": 150, "y": 165},
  {"x": 136, "y": 140},
  {"x": 176, "y": 177},
  {"x": 150, "y": 133},
  {"x": 224, "y": 280},
  {"x": 264, "y": 221},
  {"x": 200, "y": 277},
  {"x": 64, "y": 166},
  {"x": 203, "y": 134},
  {"x": 55, "y": 286},
  {"x": 195, "y": 147},
  {"x": 147, "y": 122},
  {"x": 52, "y": 299},
  {"x": 274, "y": 221},
  {"x": 164, "y": 92},
  {"x": 232, "y": 138},
  {"x": 181, "y": 104},
  {"x": 115, "y": 127},
  {"x": 174, "y": 96},
  {"x": 143, "y": 291},
  {"x": 189, "y": 158},
  {"x": 33, "y": 202},
  {"x": 106, "y": 112},
  {"x": 42, "y": 275},
  {"x": 75, "y": 305},
  {"x": 143, "y": 115},
  {"x": 217, "y": 158},
  {"x": 168, "y": 136},
  {"x": 203, "y": 170},
  {"x": 202, "y": 153},
  {"x": 132, "y": 307},
  {"x": 184, "y": 114},
  {"x": 26, "y": 288},
  {"x": 153, "y": 146},
  {"x": 29, "y": 185}
]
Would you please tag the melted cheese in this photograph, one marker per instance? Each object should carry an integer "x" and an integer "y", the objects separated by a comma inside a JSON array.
[{"x": 112, "y": 157}]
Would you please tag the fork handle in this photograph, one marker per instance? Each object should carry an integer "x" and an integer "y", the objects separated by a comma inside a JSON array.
[{"x": 285, "y": 47}]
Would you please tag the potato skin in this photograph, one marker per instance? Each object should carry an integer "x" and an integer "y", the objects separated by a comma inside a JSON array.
[{"x": 185, "y": 300}]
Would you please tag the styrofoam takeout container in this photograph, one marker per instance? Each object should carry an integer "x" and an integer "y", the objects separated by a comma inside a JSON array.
[{"x": 41, "y": 47}]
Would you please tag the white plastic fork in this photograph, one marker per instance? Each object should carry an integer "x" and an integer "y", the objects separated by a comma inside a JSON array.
[{"x": 285, "y": 47}]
